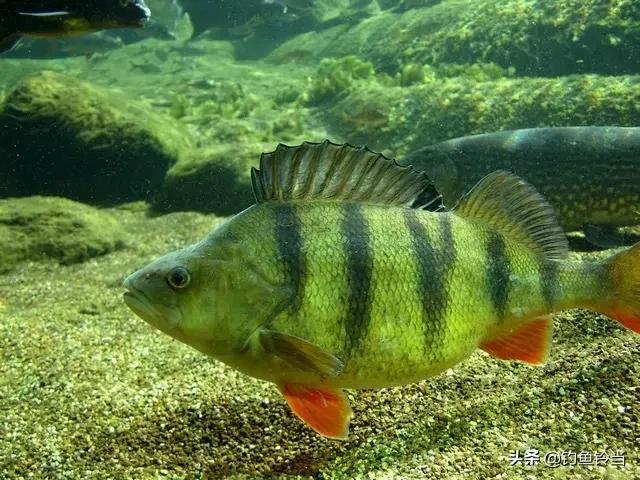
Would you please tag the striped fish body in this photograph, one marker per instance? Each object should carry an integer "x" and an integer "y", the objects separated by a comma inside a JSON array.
[
  {"x": 398, "y": 294},
  {"x": 590, "y": 175},
  {"x": 336, "y": 279}
]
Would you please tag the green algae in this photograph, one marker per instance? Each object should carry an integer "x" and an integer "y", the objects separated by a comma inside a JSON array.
[
  {"x": 49, "y": 228},
  {"x": 535, "y": 37},
  {"x": 214, "y": 180},
  {"x": 335, "y": 77},
  {"x": 400, "y": 119},
  {"x": 95, "y": 133}
]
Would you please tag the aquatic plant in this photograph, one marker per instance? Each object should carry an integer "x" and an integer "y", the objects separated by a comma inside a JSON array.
[
  {"x": 335, "y": 77},
  {"x": 421, "y": 114},
  {"x": 537, "y": 37}
]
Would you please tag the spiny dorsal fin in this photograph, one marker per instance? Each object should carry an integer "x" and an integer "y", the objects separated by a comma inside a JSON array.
[
  {"x": 514, "y": 208},
  {"x": 330, "y": 172}
]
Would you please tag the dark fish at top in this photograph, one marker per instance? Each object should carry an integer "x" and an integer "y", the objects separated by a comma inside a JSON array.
[
  {"x": 590, "y": 175},
  {"x": 62, "y": 18}
]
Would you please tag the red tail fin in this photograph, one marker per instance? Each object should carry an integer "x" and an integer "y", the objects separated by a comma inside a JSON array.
[{"x": 624, "y": 272}]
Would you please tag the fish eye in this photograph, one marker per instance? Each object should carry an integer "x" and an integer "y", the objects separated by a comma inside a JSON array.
[
  {"x": 178, "y": 278},
  {"x": 124, "y": 3}
]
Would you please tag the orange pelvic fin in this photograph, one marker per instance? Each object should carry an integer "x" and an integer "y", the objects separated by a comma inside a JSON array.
[
  {"x": 326, "y": 410},
  {"x": 528, "y": 343},
  {"x": 627, "y": 318}
]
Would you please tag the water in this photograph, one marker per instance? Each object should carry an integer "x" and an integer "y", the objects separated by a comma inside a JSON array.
[{"x": 119, "y": 146}]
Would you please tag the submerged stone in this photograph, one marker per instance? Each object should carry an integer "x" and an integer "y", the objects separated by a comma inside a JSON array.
[
  {"x": 217, "y": 180},
  {"x": 51, "y": 228},
  {"x": 538, "y": 37},
  {"x": 65, "y": 137}
]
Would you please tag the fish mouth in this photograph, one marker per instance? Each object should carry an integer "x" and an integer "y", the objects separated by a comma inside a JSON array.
[{"x": 140, "y": 304}]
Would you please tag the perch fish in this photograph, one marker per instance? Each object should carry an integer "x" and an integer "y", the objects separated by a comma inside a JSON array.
[
  {"x": 62, "y": 18},
  {"x": 590, "y": 175},
  {"x": 333, "y": 281}
]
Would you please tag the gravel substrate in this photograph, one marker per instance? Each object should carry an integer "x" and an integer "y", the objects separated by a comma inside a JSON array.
[{"x": 88, "y": 390}]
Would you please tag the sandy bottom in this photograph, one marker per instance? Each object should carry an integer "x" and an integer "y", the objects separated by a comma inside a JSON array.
[{"x": 88, "y": 390}]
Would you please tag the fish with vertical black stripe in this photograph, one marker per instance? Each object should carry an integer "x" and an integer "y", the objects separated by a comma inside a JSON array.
[{"x": 336, "y": 279}]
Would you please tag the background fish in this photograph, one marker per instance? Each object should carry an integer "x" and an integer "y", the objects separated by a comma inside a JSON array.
[
  {"x": 331, "y": 281},
  {"x": 590, "y": 175},
  {"x": 58, "y": 18}
]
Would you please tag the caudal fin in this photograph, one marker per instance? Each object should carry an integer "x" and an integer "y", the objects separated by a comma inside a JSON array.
[{"x": 624, "y": 274}]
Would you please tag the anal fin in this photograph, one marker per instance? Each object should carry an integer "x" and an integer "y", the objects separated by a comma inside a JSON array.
[
  {"x": 325, "y": 410},
  {"x": 528, "y": 343}
]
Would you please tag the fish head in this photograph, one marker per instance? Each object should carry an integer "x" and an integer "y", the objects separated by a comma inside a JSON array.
[
  {"x": 205, "y": 295},
  {"x": 119, "y": 14}
]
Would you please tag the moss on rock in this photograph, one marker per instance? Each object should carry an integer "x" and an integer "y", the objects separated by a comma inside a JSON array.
[
  {"x": 536, "y": 37},
  {"x": 399, "y": 119},
  {"x": 216, "y": 180},
  {"x": 62, "y": 136},
  {"x": 41, "y": 228},
  {"x": 335, "y": 76}
]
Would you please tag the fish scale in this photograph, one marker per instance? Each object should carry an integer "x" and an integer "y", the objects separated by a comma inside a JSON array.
[{"x": 373, "y": 312}]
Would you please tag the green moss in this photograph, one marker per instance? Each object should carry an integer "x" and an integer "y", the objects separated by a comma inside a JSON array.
[
  {"x": 335, "y": 77},
  {"x": 397, "y": 119},
  {"x": 214, "y": 180},
  {"x": 411, "y": 74},
  {"x": 537, "y": 37},
  {"x": 41, "y": 228},
  {"x": 63, "y": 136}
]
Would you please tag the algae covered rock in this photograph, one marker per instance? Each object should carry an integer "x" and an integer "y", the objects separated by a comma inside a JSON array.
[
  {"x": 41, "y": 228},
  {"x": 537, "y": 37},
  {"x": 335, "y": 76},
  {"x": 398, "y": 119},
  {"x": 64, "y": 137},
  {"x": 216, "y": 180}
]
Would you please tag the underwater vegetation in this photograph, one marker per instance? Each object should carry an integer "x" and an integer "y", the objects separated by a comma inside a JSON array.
[
  {"x": 536, "y": 38},
  {"x": 42, "y": 228},
  {"x": 441, "y": 107},
  {"x": 117, "y": 149},
  {"x": 146, "y": 126}
]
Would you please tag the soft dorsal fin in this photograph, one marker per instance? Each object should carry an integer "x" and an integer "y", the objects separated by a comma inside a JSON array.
[
  {"x": 515, "y": 209},
  {"x": 330, "y": 172}
]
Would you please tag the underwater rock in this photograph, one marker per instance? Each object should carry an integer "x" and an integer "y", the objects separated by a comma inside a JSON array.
[
  {"x": 217, "y": 180},
  {"x": 401, "y": 119},
  {"x": 537, "y": 38},
  {"x": 41, "y": 228},
  {"x": 64, "y": 137}
]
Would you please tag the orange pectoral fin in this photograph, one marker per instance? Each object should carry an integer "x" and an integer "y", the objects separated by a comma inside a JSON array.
[
  {"x": 325, "y": 410},
  {"x": 529, "y": 343}
]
